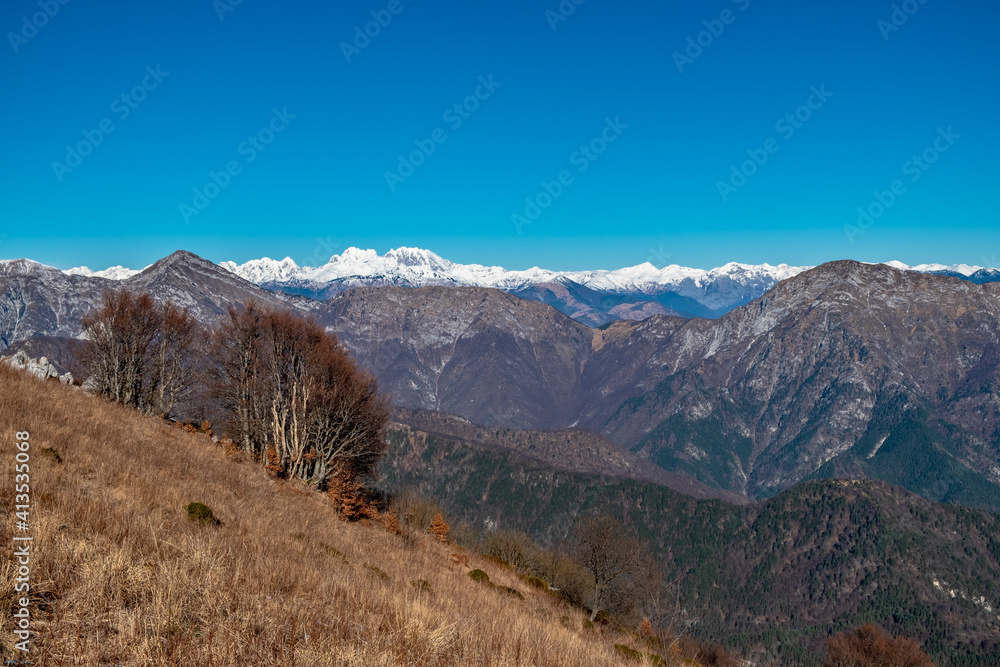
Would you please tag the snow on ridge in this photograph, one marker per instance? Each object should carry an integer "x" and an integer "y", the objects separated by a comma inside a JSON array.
[
  {"x": 264, "y": 270},
  {"x": 417, "y": 266},
  {"x": 111, "y": 273},
  {"x": 963, "y": 269}
]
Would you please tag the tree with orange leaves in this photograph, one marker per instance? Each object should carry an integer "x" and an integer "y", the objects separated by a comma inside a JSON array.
[
  {"x": 871, "y": 646},
  {"x": 439, "y": 528}
]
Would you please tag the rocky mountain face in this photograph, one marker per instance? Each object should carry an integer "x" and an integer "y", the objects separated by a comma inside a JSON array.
[
  {"x": 846, "y": 369},
  {"x": 40, "y": 302},
  {"x": 37, "y": 299},
  {"x": 200, "y": 286},
  {"x": 479, "y": 353}
]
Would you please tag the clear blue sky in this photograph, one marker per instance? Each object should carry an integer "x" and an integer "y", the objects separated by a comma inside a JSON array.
[{"x": 654, "y": 188}]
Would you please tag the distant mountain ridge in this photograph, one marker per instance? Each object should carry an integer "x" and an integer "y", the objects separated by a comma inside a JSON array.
[{"x": 594, "y": 297}]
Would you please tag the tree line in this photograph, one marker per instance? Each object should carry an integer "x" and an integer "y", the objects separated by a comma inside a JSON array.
[{"x": 285, "y": 389}]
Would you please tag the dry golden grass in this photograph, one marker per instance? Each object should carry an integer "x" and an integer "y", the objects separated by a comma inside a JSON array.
[{"x": 121, "y": 576}]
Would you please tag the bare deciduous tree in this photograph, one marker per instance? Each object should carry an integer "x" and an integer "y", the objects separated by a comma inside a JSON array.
[
  {"x": 139, "y": 353},
  {"x": 296, "y": 398},
  {"x": 515, "y": 548},
  {"x": 609, "y": 552},
  {"x": 174, "y": 361}
]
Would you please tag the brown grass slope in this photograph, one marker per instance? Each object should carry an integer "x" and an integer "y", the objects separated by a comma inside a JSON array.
[{"x": 121, "y": 576}]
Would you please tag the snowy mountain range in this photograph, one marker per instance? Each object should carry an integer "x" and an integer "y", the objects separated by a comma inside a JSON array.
[{"x": 594, "y": 297}]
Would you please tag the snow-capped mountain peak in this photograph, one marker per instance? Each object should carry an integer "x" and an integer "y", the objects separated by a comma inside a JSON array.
[
  {"x": 264, "y": 270},
  {"x": 963, "y": 269},
  {"x": 417, "y": 267},
  {"x": 111, "y": 273}
]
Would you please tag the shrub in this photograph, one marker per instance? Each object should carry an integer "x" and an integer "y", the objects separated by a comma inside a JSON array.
[
  {"x": 480, "y": 576},
  {"x": 377, "y": 572},
  {"x": 537, "y": 583},
  {"x": 627, "y": 652},
  {"x": 390, "y": 521},
  {"x": 50, "y": 453},
  {"x": 514, "y": 549},
  {"x": 439, "y": 528},
  {"x": 422, "y": 585},
  {"x": 349, "y": 497},
  {"x": 513, "y": 592},
  {"x": 336, "y": 553},
  {"x": 202, "y": 514},
  {"x": 871, "y": 646}
]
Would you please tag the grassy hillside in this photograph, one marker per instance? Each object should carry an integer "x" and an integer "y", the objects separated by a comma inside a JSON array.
[
  {"x": 772, "y": 579},
  {"x": 120, "y": 575}
]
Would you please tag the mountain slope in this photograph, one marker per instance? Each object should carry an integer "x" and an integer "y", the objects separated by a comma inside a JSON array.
[
  {"x": 39, "y": 301},
  {"x": 822, "y": 369},
  {"x": 773, "y": 579},
  {"x": 572, "y": 450},
  {"x": 119, "y": 575},
  {"x": 479, "y": 353}
]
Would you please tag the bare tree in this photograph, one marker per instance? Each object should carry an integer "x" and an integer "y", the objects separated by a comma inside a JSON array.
[
  {"x": 659, "y": 600},
  {"x": 516, "y": 549},
  {"x": 119, "y": 337},
  {"x": 138, "y": 353},
  {"x": 238, "y": 383},
  {"x": 297, "y": 400},
  {"x": 175, "y": 362},
  {"x": 609, "y": 552}
]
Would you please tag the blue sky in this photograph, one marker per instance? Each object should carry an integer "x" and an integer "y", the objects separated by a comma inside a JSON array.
[{"x": 559, "y": 87}]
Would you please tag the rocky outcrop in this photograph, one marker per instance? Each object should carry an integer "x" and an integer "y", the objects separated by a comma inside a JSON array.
[{"x": 41, "y": 368}]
